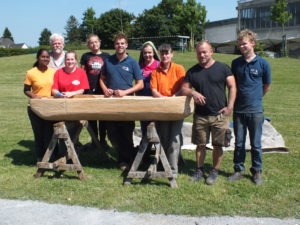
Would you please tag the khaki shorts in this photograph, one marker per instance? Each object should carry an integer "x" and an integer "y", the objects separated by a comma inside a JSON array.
[{"x": 204, "y": 125}]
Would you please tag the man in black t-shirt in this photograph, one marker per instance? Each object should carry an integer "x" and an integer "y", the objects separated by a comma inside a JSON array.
[{"x": 209, "y": 79}]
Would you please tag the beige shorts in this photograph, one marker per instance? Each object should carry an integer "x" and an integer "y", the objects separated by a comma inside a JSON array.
[{"x": 203, "y": 126}]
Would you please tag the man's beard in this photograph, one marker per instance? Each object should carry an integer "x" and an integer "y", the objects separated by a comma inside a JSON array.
[{"x": 58, "y": 51}]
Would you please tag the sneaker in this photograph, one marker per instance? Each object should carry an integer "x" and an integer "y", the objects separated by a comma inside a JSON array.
[
  {"x": 198, "y": 175},
  {"x": 212, "y": 178},
  {"x": 235, "y": 176},
  {"x": 257, "y": 178}
]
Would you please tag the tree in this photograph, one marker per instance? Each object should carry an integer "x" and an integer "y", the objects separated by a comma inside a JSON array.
[
  {"x": 44, "y": 38},
  {"x": 73, "y": 32},
  {"x": 111, "y": 22},
  {"x": 280, "y": 15},
  {"x": 191, "y": 16},
  {"x": 7, "y": 34},
  {"x": 89, "y": 23},
  {"x": 158, "y": 21}
]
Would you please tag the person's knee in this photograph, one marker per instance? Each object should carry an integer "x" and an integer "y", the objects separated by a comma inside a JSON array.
[{"x": 200, "y": 148}]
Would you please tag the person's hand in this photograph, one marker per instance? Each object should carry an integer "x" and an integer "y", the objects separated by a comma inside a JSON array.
[
  {"x": 198, "y": 98},
  {"x": 36, "y": 97},
  {"x": 226, "y": 111},
  {"x": 120, "y": 93},
  {"x": 108, "y": 92},
  {"x": 68, "y": 94}
]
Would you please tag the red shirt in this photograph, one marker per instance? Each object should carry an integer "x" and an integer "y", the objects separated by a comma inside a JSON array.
[{"x": 65, "y": 82}]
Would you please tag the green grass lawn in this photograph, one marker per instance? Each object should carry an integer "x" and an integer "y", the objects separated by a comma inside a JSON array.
[{"x": 278, "y": 197}]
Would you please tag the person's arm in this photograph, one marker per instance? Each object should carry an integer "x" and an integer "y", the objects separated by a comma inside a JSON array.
[
  {"x": 266, "y": 88},
  {"x": 139, "y": 84},
  {"x": 180, "y": 71},
  {"x": 186, "y": 89},
  {"x": 57, "y": 94},
  {"x": 28, "y": 92},
  {"x": 231, "y": 85},
  {"x": 156, "y": 94},
  {"x": 267, "y": 78},
  {"x": 107, "y": 91},
  {"x": 70, "y": 94}
]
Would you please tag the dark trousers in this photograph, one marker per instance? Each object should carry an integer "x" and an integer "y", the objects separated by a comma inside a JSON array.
[
  {"x": 99, "y": 128},
  {"x": 120, "y": 136},
  {"x": 42, "y": 131},
  {"x": 170, "y": 137}
]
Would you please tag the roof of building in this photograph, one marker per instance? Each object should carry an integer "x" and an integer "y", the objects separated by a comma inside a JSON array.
[
  {"x": 6, "y": 42},
  {"x": 221, "y": 22}
]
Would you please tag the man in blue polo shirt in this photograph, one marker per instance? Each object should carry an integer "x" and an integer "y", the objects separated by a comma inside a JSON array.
[
  {"x": 253, "y": 79},
  {"x": 119, "y": 72}
]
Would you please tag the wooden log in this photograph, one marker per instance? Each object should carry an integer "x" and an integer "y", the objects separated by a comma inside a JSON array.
[{"x": 128, "y": 108}]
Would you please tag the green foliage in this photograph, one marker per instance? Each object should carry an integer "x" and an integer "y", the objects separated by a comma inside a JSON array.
[
  {"x": 158, "y": 21},
  {"x": 279, "y": 12},
  {"x": 191, "y": 17},
  {"x": 280, "y": 15},
  {"x": 44, "y": 38},
  {"x": 89, "y": 23},
  {"x": 73, "y": 32},
  {"x": 279, "y": 197},
  {"x": 4, "y": 52},
  {"x": 7, "y": 34},
  {"x": 259, "y": 48},
  {"x": 112, "y": 22}
]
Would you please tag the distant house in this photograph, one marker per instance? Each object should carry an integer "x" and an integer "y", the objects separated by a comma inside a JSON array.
[
  {"x": 8, "y": 43},
  {"x": 21, "y": 45}
]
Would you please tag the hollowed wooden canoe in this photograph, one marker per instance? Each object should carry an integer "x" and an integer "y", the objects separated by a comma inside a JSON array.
[{"x": 128, "y": 108}]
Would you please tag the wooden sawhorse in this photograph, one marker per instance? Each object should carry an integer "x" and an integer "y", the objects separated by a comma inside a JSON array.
[
  {"x": 61, "y": 164},
  {"x": 151, "y": 138}
]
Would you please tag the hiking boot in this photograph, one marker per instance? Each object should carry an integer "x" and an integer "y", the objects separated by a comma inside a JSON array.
[
  {"x": 257, "y": 178},
  {"x": 198, "y": 175},
  {"x": 212, "y": 178},
  {"x": 235, "y": 176}
]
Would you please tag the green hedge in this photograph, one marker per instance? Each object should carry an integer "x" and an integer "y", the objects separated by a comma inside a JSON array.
[{"x": 5, "y": 52}]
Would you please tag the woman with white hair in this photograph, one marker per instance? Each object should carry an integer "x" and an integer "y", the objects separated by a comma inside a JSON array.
[{"x": 57, "y": 55}]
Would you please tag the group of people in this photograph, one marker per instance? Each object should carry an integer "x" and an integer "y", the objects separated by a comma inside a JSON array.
[{"x": 156, "y": 75}]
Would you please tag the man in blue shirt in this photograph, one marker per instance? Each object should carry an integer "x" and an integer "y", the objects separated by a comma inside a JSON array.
[
  {"x": 117, "y": 80},
  {"x": 253, "y": 78}
]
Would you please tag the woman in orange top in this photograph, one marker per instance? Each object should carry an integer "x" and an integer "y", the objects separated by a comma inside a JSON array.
[
  {"x": 37, "y": 84},
  {"x": 166, "y": 81}
]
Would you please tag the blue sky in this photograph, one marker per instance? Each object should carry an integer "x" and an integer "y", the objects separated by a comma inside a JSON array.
[{"x": 27, "y": 19}]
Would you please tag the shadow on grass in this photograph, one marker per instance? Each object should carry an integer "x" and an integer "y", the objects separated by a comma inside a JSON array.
[
  {"x": 21, "y": 157},
  {"x": 96, "y": 159},
  {"x": 188, "y": 168}
]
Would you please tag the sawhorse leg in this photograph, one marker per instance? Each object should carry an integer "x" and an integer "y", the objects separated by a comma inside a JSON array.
[
  {"x": 152, "y": 170},
  {"x": 60, "y": 133},
  {"x": 85, "y": 123}
]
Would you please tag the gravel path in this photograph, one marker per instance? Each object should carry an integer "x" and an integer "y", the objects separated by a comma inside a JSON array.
[{"x": 15, "y": 212}]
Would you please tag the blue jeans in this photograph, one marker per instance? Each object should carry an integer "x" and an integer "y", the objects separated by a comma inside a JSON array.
[{"x": 253, "y": 122}]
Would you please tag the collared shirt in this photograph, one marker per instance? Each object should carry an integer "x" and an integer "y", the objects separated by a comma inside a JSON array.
[
  {"x": 250, "y": 78},
  {"x": 168, "y": 83},
  {"x": 57, "y": 64},
  {"x": 119, "y": 75}
]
